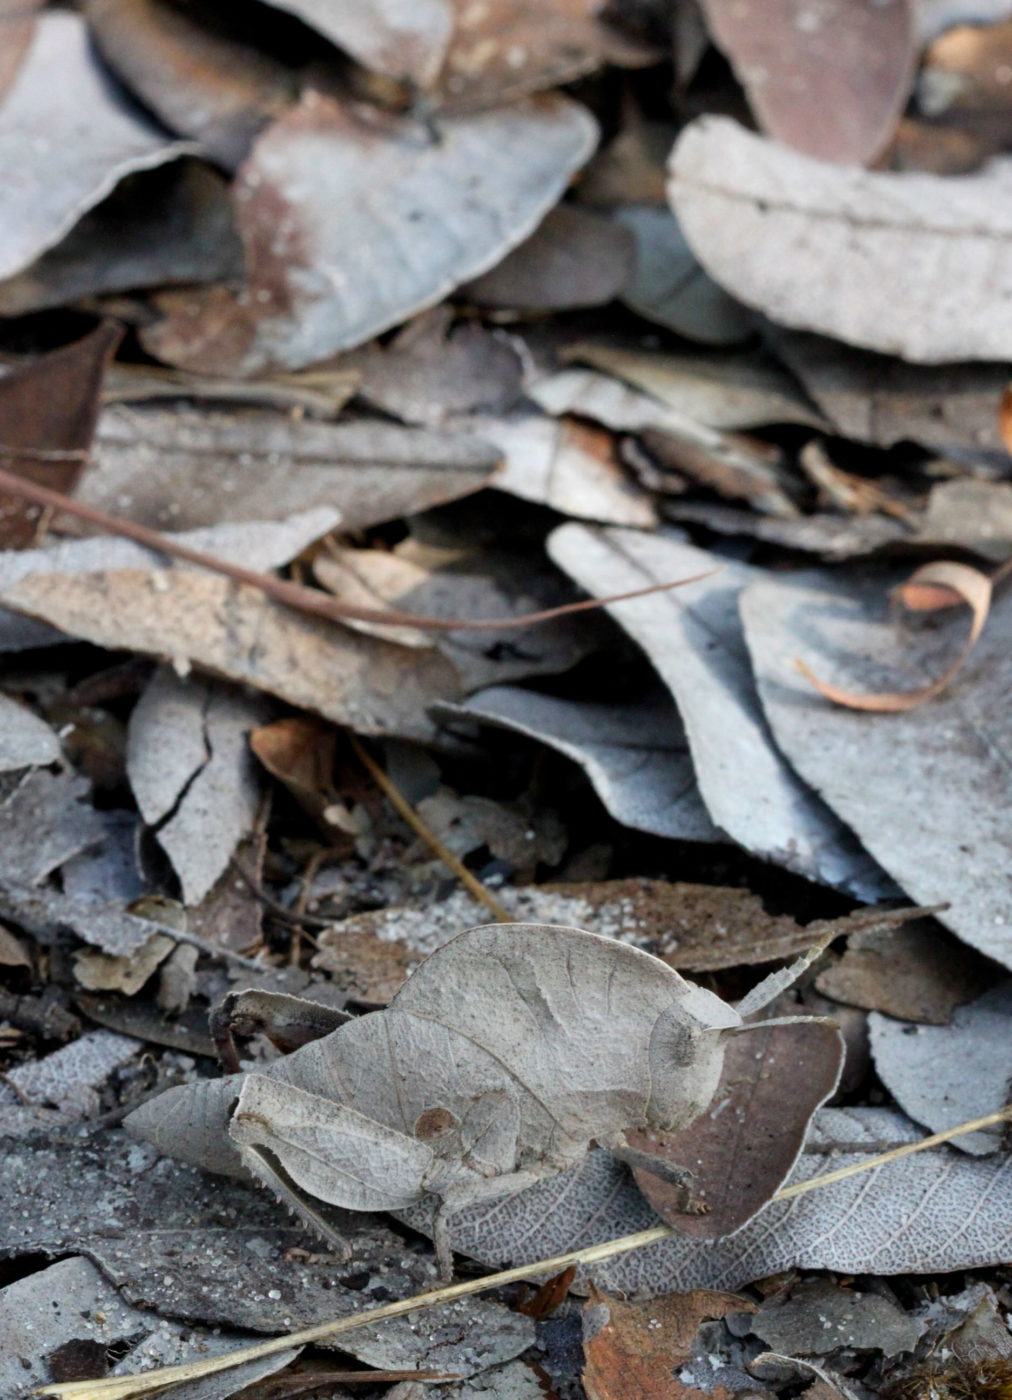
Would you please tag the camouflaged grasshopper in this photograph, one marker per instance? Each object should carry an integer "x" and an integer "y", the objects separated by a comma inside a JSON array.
[{"x": 506, "y": 1055}]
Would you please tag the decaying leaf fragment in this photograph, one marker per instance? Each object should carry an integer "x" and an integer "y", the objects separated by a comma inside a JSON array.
[
  {"x": 418, "y": 218},
  {"x": 933, "y": 586},
  {"x": 507, "y": 1052},
  {"x": 639, "y": 1348},
  {"x": 942, "y": 245}
]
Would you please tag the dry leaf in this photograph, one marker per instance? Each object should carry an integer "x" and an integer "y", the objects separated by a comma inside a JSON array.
[
  {"x": 831, "y": 80},
  {"x": 574, "y": 258},
  {"x": 124, "y": 972},
  {"x": 419, "y": 217},
  {"x": 48, "y": 410},
  {"x": 236, "y": 632},
  {"x": 569, "y": 466},
  {"x": 931, "y": 587},
  {"x": 747, "y": 1143},
  {"x": 300, "y": 752},
  {"x": 748, "y": 206},
  {"x": 68, "y": 1079},
  {"x": 17, "y": 25},
  {"x": 191, "y": 772},
  {"x": 943, "y": 1075},
  {"x": 64, "y": 145},
  {"x": 12, "y": 952},
  {"x": 162, "y": 467},
  {"x": 46, "y": 820},
  {"x": 257, "y": 544},
  {"x": 26, "y": 741},
  {"x": 932, "y": 1212},
  {"x": 938, "y": 15},
  {"x": 402, "y": 42},
  {"x": 168, "y": 226},
  {"x": 639, "y": 1348},
  {"x": 903, "y": 784},
  {"x": 364, "y": 967},
  {"x": 428, "y": 373},
  {"x": 820, "y": 1317},
  {"x": 195, "y": 79},
  {"x": 634, "y": 753},
  {"x": 669, "y": 287},
  {"x": 916, "y": 972},
  {"x": 693, "y": 638}
]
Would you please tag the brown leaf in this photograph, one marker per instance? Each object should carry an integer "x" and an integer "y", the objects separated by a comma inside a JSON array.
[
  {"x": 12, "y": 952},
  {"x": 234, "y": 631},
  {"x": 634, "y": 1350},
  {"x": 929, "y": 588},
  {"x": 830, "y": 80},
  {"x": 746, "y": 1144},
  {"x": 299, "y": 751},
  {"x": 574, "y": 258},
  {"x": 419, "y": 217},
  {"x": 48, "y": 411},
  {"x": 549, "y": 1296},
  {"x": 364, "y": 967},
  {"x": 917, "y": 973},
  {"x": 199, "y": 82},
  {"x": 748, "y": 205}
]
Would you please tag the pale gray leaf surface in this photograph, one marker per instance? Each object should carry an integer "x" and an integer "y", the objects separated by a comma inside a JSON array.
[
  {"x": 235, "y": 631},
  {"x": 720, "y": 391},
  {"x": 692, "y": 635},
  {"x": 833, "y": 537},
  {"x": 635, "y": 754},
  {"x": 181, "y": 467},
  {"x": 566, "y": 466},
  {"x": 48, "y": 916},
  {"x": 419, "y": 218},
  {"x": 68, "y": 1079},
  {"x": 400, "y": 41},
  {"x": 938, "y": 15},
  {"x": 669, "y": 287},
  {"x": 903, "y": 783},
  {"x": 943, "y": 1075},
  {"x": 64, "y": 145},
  {"x": 932, "y": 1212},
  {"x": 46, "y": 820},
  {"x": 220, "y": 1253},
  {"x": 72, "y": 1302},
  {"x": 820, "y": 1316},
  {"x": 191, "y": 770},
  {"x": 942, "y": 245},
  {"x": 26, "y": 740},
  {"x": 177, "y": 227},
  {"x": 260, "y": 545}
]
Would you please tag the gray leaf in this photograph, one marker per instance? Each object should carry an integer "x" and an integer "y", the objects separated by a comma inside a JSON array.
[{"x": 26, "y": 741}]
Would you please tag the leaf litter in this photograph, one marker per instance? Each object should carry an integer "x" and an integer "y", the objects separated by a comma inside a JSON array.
[{"x": 401, "y": 347}]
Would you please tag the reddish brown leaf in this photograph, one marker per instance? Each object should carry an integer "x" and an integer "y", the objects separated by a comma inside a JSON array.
[
  {"x": 549, "y": 1295},
  {"x": 48, "y": 411},
  {"x": 633, "y": 1351},
  {"x": 743, "y": 1148},
  {"x": 829, "y": 78}
]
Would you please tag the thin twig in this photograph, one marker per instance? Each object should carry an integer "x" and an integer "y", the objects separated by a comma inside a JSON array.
[
  {"x": 404, "y": 809},
  {"x": 295, "y": 595},
  {"x": 132, "y": 1387}
]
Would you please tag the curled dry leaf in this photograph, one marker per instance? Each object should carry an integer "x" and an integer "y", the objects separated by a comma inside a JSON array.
[
  {"x": 902, "y": 785},
  {"x": 693, "y": 638},
  {"x": 941, "y": 1075},
  {"x": 942, "y": 246},
  {"x": 747, "y": 1143},
  {"x": 933, "y": 586},
  {"x": 234, "y": 631},
  {"x": 64, "y": 145},
  {"x": 635, "y": 754},
  {"x": 830, "y": 81},
  {"x": 48, "y": 411},
  {"x": 639, "y": 1348},
  {"x": 420, "y": 217},
  {"x": 199, "y": 82}
]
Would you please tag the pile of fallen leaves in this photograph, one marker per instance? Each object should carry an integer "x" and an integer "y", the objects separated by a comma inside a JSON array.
[{"x": 526, "y": 464}]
